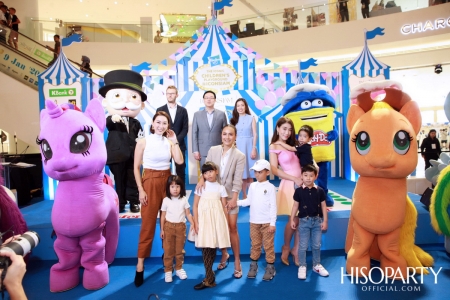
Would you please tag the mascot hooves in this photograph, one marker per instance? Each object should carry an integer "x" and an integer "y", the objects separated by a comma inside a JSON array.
[{"x": 61, "y": 281}]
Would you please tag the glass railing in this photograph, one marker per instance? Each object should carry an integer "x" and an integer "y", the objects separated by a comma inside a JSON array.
[
  {"x": 32, "y": 49},
  {"x": 278, "y": 21}
]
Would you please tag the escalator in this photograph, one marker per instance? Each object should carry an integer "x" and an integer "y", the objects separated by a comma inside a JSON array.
[{"x": 26, "y": 63}]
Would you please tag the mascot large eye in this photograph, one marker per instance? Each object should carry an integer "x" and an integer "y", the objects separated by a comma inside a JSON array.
[
  {"x": 362, "y": 142},
  {"x": 402, "y": 141},
  {"x": 46, "y": 150},
  {"x": 134, "y": 96},
  {"x": 305, "y": 104},
  {"x": 116, "y": 95},
  {"x": 80, "y": 142},
  {"x": 317, "y": 103}
]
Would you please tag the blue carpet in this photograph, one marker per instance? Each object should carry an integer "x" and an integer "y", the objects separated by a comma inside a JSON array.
[{"x": 285, "y": 285}]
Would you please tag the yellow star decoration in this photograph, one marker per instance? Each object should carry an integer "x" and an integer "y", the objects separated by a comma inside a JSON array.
[{"x": 223, "y": 87}]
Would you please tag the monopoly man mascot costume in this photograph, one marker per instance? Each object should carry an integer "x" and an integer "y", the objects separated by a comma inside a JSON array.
[
  {"x": 124, "y": 99},
  {"x": 383, "y": 152},
  {"x": 313, "y": 105},
  {"x": 85, "y": 213}
]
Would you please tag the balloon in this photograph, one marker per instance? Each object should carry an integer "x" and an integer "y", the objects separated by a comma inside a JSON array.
[
  {"x": 270, "y": 98},
  {"x": 261, "y": 90},
  {"x": 268, "y": 85},
  {"x": 260, "y": 79},
  {"x": 260, "y": 104},
  {"x": 280, "y": 92}
]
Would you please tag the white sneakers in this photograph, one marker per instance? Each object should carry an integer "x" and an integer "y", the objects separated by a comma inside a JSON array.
[
  {"x": 319, "y": 269},
  {"x": 302, "y": 272},
  {"x": 168, "y": 276},
  {"x": 181, "y": 274}
]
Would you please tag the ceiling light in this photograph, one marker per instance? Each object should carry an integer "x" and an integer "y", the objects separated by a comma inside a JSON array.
[
  {"x": 146, "y": 4},
  {"x": 51, "y": 18},
  {"x": 87, "y": 15}
]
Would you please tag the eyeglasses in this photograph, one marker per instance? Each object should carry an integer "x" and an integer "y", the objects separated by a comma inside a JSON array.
[{"x": 209, "y": 98}]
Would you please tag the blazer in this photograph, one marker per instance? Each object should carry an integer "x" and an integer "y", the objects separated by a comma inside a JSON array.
[
  {"x": 120, "y": 144},
  {"x": 204, "y": 137},
  {"x": 232, "y": 177},
  {"x": 181, "y": 124}
]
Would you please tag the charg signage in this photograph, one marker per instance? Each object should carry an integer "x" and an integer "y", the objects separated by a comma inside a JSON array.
[
  {"x": 19, "y": 67},
  {"x": 64, "y": 93},
  {"x": 413, "y": 28}
]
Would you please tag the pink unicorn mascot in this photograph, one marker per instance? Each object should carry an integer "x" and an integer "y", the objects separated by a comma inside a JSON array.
[{"x": 85, "y": 213}]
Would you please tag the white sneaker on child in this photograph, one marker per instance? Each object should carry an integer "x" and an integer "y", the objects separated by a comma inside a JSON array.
[
  {"x": 302, "y": 272},
  {"x": 319, "y": 269},
  {"x": 168, "y": 276},
  {"x": 181, "y": 274}
]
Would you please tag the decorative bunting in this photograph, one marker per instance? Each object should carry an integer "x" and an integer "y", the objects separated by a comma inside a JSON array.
[
  {"x": 243, "y": 57},
  {"x": 155, "y": 67},
  {"x": 173, "y": 57},
  {"x": 164, "y": 62},
  {"x": 195, "y": 36},
  {"x": 242, "y": 44},
  {"x": 334, "y": 74},
  {"x": 276, "y": 66},
  {"x": 267, "y": 61},
  {"x": 201, "y": 29},
  {"x": 194, "y": 46},
  {"x": 258, "y": 56},
  {"x": 174, "y": 68},
  {"x": 249, "y": 50},
  {"x": 324, "y": 75},
  {"x": 233, "y": 37},
  {"x": 180, "y": 50},
  {"x": 220, "y": 23},
  {"x": 294, "y": 73},
  {"x": 205, "y": 31},
  {"x": 285, "y": 69},
  {"x": 166, "y": 74},
  {"x": 260, "y": 73},
  {"x": 200, "y": 39},
  {"x": 226, "y": 29},
  {"x": 235, "y": 49},
  {"x": 187, "y": 44},
  {"x": 228, "y": 40},
  {"x": 187, "y": 54}
]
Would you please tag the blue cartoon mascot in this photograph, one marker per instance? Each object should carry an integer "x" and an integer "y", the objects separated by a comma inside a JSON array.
[{"x": 313, "y": 105}]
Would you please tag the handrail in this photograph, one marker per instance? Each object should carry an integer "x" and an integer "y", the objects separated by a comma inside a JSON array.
[
  {"x": 24, "y": 55},
  {"x": 2, "y": 27}
]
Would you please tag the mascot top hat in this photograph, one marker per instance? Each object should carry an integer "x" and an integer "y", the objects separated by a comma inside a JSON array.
[{"x": 123, "y": 79}]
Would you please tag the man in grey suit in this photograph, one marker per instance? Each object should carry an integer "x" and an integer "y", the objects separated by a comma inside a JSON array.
[{"x": 207, "y": 127}]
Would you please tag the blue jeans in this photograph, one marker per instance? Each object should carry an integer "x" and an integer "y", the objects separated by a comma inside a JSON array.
[{"x": 309, "y": 228}]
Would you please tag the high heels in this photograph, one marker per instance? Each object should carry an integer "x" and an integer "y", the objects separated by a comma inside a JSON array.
[
  {"x": 285, "y": 253},
  {"x": 223, "y": 264},
  {"x": 295, "y": 258},
  {"x": 139, "y": 278}
]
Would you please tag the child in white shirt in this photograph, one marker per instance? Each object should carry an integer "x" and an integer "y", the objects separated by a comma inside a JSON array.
[
  {"x": 174, "y": 210},
  {"x": 211, "y": 224},
  {"x": 263, "y": 215}
]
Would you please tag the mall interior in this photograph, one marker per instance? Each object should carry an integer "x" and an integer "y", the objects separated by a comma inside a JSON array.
[{"x": 415, "y": 45}]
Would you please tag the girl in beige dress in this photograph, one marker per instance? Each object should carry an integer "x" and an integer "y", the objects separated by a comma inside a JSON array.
[{"x": 211, "y": 224}]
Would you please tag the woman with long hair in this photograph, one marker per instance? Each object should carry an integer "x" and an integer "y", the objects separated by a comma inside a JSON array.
[
  {"x": 245, "y": 140},
  {"x": 290, "y": 174},
  {"x": 156, "y": 152}
]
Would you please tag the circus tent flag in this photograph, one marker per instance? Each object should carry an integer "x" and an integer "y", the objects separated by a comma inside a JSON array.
[
  {"x": 371, "y": 34},
  {"x": 141, "y": 67}
]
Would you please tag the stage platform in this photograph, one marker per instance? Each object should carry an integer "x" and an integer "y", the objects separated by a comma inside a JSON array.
[{"x": 38, "y": 219}]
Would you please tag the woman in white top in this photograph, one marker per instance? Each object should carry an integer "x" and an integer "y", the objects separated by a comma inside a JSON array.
[
  {"x": 231, "y": 163},
  {"x": 156, "y": 152}
]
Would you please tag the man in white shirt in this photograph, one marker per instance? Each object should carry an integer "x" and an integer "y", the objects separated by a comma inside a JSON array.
[
  {"x": 179, "y": 123},
  {"x": 263, "y": 215}
]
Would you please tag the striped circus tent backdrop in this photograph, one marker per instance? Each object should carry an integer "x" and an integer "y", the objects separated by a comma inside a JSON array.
[
  {"x": 214, "y": 46},
  {"x": 364, "y": 68},
  {"x": 62, "y": 83}
]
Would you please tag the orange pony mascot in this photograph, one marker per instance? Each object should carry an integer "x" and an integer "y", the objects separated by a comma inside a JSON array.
[{"x": 383, "y": 219}]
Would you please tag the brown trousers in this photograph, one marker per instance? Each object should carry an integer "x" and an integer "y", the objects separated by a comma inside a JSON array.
[
  {"x": 261, "y": 237},
  {"x": 173, "y": 243},
  {"x": 154, "y": 184}
]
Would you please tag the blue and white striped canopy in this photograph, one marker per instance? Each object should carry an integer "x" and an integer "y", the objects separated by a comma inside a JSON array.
[
  {"x": 62, "y": 71},
  {"x": 215, "y": 42},
  {"x": 366, "y": 65}
]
